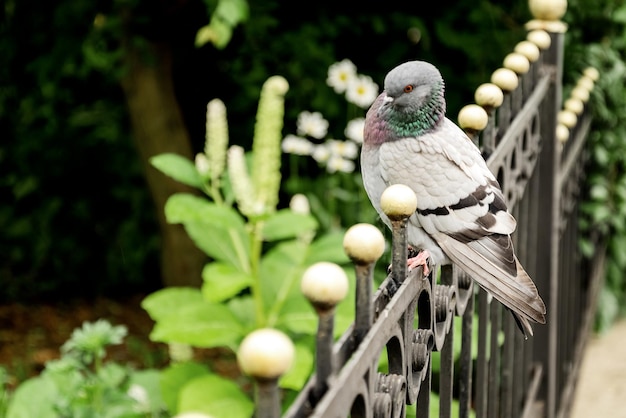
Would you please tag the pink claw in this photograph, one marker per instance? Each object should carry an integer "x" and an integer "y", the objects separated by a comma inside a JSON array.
[{"x": 419, "y": 260}]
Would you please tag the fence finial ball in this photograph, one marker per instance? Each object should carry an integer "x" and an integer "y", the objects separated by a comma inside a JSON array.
[
  {"x": 592, "y": 73},
  {"x": 398, "y": 201},
  {"x": 489, "y": 95},
  {"x": 539, "y": 37},
  {"x": 324, "y": 284},
  {"x": 562, "y": 133},
  {"x": 585, "y": 82},
  {"x": 473, "y": 117},
  {"x": 547, "y": 9},
  {"x": 505, "y": 78},
  {"x": 516, "y": 62},
  {"x": 575, "y": 105},
  {"x": 580, "y": 93},
  {"x": 265, "y": 354},
  {"x": 364, "y": 243},
  {"x": 567, "y": 118},
  {"x": 528, "y": 49}
]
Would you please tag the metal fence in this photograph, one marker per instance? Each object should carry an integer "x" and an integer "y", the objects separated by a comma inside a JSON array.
[{"x": 485, "y": 367}]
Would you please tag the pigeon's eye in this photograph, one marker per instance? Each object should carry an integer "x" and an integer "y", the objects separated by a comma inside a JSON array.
[{"x": 408, "y": 88}]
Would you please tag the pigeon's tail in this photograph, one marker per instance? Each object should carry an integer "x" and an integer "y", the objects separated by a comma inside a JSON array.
[
  {"x": 523, "y": 324},
  {"x": 509, "y": 284},
  {"x": 537, "y": 311}
]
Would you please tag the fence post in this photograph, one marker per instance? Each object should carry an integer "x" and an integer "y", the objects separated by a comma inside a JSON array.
[
  {"x": 324, "y": 285},
  {"x": 265, "y": 355},
  {"x": 547, "y": 273}
]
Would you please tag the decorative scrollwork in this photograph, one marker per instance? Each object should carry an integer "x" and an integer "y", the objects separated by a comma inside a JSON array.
[{"x": 393, "y": 385}]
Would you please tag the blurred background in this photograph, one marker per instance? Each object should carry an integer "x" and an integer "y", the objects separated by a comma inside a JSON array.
[{"x": 89, "y": 90}]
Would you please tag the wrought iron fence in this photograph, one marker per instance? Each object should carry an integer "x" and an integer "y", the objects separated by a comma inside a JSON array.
[{"x": 537, "y": 149}]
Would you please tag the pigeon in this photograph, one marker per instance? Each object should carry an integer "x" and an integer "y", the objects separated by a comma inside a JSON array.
[{"x": 461, "y": 214}]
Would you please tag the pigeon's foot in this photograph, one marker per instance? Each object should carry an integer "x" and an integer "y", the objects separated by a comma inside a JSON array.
[{"x": 421, "y": 259}]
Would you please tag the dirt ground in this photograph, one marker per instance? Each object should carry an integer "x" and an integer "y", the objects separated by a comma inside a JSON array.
[
  {"x": 32, "y": 335},
  {"x": 601, "y": 388}
]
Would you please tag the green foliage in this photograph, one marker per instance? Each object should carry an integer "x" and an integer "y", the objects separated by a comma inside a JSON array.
[
  {"x": 597, "y": 37},
  {"x": 216, "y": 396},
  {"x": 88, "y": 343},
  {"x": 81, "y": 384},
  {"x": 74, "y": 214},
  {"x": 225, "y": 17},
  {"x": 258, "y": 254},
  {"x": 4, "y": 395}
]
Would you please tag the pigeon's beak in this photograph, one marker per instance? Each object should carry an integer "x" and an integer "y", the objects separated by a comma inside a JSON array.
[
  {"x": 386, "y": 104},
  {"x": 387, "y": 100}
]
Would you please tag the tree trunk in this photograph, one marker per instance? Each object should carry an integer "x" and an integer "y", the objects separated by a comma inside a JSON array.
[{"x": 158, "y": 127}]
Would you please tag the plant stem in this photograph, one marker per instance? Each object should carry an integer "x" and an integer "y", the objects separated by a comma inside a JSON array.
[
  {"x": 98, "y": 390},
  {"x": 215, "y": 192},
  {"x": 255, "y": 259}
]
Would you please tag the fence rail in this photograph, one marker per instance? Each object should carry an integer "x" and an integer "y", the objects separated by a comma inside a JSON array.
[{"x": 537, "y": 150}]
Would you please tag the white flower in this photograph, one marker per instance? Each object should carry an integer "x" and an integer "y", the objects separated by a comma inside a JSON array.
[
  {"x": 140, "y": 395},
  {"x": 296, "y": 145},
  {"x": 299, "y": 203},
  {"x": 340, "y": 74},
  {"x": 362, "y": 91},
  {"x": 321, "y": 153},
  {"x": 241, "y": 182},
  {"x": 354, "y": 130},
  {"x": 202, "y": 164},
  {"x": 312, "y": 124},
  {"x": 343, "y": 149},
  {"x": 336, "y": 163}
]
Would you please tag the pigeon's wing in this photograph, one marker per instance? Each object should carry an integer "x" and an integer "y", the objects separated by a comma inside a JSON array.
[{"x": 461, "y": 207}]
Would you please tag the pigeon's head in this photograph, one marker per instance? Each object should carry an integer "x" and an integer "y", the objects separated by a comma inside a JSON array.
[{"x": 414, "y": 88}]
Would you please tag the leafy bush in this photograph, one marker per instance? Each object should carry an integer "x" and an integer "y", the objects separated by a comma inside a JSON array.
[
  {"x": 82, "y": 384},
  {"x": 258, "y": 255},
  {"x": 597, "y": 37}
]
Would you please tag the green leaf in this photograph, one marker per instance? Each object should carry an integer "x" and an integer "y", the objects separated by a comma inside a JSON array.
[
  {"x": 619, "y": 15},
  {"x": 185, "y": 207},
  {"x": 243, "y": 308},
  {"x": 166, "y": 302},
  {"x": 297, "y": 376},
  {"x": 599, "y": 192},
  {"x": 608, "y": 309},
  {"x": 280, "y": 271},
  {"x": 199, "y": 324},
  {"x": 223, "y": 281},
  {"x": 178, "y": 167},
  {"x": 286, "y": 224},
  {"x": 175, "y": 377},
  {"x": 215, "y": 396},
  {"x": 587, "y": 247},
  {"x": 232, "y": 11},
  {"x": 298, "y": 316},
  {"x": 229, "y": 245},
  {"x": 217, "y": 230},
  {"x": 40, "y": 388},
  {"x": 112, "y": 374},
  {"x": 328, "y": 247},
  {"x": 227, "y": 15},
  {"x": 217, "y": 32}
]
